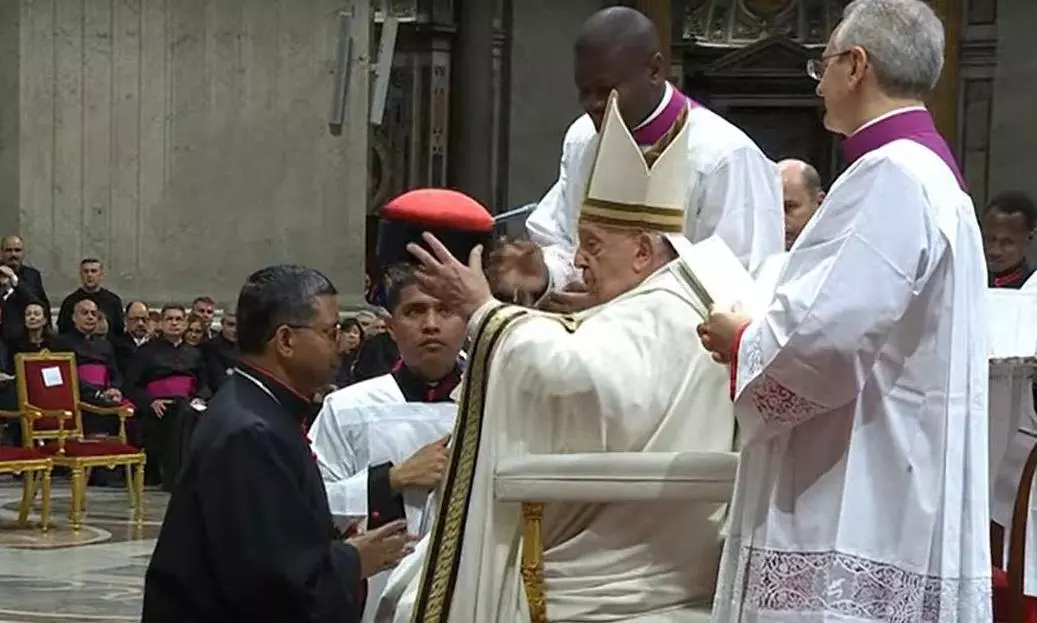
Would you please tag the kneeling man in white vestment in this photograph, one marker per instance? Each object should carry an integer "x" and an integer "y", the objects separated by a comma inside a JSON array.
[{"x": 627, "y": 375}]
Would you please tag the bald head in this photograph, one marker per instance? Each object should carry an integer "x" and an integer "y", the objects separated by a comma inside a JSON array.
[
  {"x": 801, "y": 193},
  {"x": 621, "y": 29},
  {"x": 12, "y": 250},
  {"x": 617, "y": 49}
]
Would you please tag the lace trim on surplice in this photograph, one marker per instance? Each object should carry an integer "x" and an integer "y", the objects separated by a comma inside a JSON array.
[
  {"x": 775, "y": 402},
  {"x": 817, "y": 583}
]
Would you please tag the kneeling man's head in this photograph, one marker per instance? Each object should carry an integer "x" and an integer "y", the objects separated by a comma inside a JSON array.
[
  {"x": 615, "y": 260},
  {"x": 428, "y": 333}
]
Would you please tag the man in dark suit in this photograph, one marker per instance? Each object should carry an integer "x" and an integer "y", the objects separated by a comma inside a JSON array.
[
  {"x": 29, "y": 287},
  {"x": 248, "y": 535}
]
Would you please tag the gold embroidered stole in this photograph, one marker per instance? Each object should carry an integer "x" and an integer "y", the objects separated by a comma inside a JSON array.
[{"x": 439, "y": 574}]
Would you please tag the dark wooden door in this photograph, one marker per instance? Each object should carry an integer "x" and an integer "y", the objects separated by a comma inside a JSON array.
[{"x": 788, "y": 132}]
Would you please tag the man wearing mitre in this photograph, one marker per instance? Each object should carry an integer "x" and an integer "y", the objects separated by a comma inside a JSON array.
[
  {"x": 626, "y": 375},
  {"x": 861, "y": 390},
  {"x": 734, "y": 193}
]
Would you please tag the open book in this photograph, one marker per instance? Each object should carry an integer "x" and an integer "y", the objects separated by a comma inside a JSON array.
[{"x": 717, "y": 278}]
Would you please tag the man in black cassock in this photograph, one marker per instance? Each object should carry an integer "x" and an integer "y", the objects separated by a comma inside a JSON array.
[{"x": 248, "y": 535}]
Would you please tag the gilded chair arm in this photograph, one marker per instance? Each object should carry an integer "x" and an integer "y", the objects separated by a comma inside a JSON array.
[
  {"x": 61, "y": 414},
  {"x": 117, "y": 410},
  {"x": 12, "y": 415}
]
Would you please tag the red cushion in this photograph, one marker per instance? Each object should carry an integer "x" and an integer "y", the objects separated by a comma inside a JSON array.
[
  {"x": 15, "y": 453},
  {"x": 90, "y": 447},
  {"x": 51, "y": 423}
]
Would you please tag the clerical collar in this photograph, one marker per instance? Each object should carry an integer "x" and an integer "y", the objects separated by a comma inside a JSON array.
[
  {"x": 415, "y": 389},
  {"x": 1013, "y": 277},
  {"x": 884, "y": 116},
  {"x": 912, "y": 123},
  {"x": 294, "y": 402}
]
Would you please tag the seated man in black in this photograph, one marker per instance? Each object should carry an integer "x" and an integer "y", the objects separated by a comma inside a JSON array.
[
  {"x": 96, "y": 367},
  {"x": 168, "y": 382},
  {"x": 221, "y": 351}
]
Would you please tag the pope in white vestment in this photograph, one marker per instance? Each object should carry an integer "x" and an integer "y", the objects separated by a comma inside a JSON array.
[
  {"x": 625, "y": 376},
  {"x": 861, "y": 392}
]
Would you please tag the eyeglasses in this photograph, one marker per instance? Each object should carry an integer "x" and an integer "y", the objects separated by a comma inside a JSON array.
[{"x": 816, "y": 66}]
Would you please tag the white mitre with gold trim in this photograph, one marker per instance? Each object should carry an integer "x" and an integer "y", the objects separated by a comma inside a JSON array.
[{"x": 626, "y": 189}]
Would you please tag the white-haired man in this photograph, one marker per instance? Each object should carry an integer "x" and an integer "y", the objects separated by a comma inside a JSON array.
[
  {"x": 861, "y": 390},
  {"x": 619, "y": 377}
]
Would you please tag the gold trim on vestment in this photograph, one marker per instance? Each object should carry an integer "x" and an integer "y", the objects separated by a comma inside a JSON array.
[
  {"x": 632, "y": 216},
  {"x": 443, "y": 556},
  {"x": 439, "y": 574}
]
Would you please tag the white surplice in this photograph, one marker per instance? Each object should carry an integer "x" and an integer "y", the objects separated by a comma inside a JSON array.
[
  {"x": 735, "y": 193},
  {"x": 367, "y": 424},
  {"x": 1013, "y": 424},
  {"x": 861, "y": 395},
  {"x": 630, "y": 377}
]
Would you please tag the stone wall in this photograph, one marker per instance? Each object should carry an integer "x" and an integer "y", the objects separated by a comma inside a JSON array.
[{"x": 184, "y": 143}]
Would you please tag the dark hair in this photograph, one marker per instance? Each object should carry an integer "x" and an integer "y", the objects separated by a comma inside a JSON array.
[
  {"x": 171, "y": 307},
  {"x": 90, "y": 260},
  {"x": 203, "y": 299},
  {"x": 132, "y": 303},
  {"x": 1015, "y": 202},
  {"x": 397, "y": 278},
  {"x": 349, "y": 323},
  {"x": 275, "y": 296}
]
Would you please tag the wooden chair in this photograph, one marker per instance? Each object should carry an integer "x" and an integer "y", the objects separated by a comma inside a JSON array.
[
  {"x": 48, "y": 393},
  {"x": 1011, "y": 605},
  {"x": 30, "y": 463}
]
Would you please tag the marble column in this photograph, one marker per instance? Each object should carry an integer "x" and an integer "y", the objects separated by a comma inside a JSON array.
[{"x": 473, "y": 125}]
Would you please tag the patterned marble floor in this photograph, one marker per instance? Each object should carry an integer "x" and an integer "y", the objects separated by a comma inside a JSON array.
[{"x": 95, "y": 575}]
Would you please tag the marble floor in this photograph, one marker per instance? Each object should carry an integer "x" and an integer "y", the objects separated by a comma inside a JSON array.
[{"x": 95, "y": 575}]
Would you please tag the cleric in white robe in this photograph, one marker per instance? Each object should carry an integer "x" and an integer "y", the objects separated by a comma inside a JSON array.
[
  {"x": 734, "y": 190},
  {"x": 626, "y": 375},
  {"x": 381, "y": 444},
  {"x": 861, "y": 392}
]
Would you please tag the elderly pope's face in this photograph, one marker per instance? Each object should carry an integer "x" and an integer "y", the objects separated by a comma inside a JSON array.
[{"x": 612, "y": 260}]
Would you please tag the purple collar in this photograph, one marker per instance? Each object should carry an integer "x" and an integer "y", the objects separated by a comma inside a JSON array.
[
  {"x": 914, "y": 125},
  {"x": 651, "y": 132}
]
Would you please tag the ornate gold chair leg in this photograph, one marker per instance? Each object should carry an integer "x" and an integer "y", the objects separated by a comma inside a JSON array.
[
  {"x": 533, "y": 561},
  {"x": 45, "y": 500},
  {"x": 131, "y": 490},
  {"x": 78, "y": 495},
  {"x": 138, "y": 487},
  {"x": 28, "y": 491}
]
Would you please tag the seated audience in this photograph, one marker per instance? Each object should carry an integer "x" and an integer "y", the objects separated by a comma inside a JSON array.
[
  {"x": 196, "y": 330},
  {"x": 91, "y": 274},
  {"x": 221, "y": 352},
  {"x": 35, "y": 333},
  {"x": 135, "y": 335},
  {"x": 96, "y": 365},
  {"x": 166, "y": 377},
  {"x": 205, "y": 309},
  {"x": 350, "y": 338}
]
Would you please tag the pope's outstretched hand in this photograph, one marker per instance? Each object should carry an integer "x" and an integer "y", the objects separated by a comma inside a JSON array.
[{"x": 462, "y": 288}]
